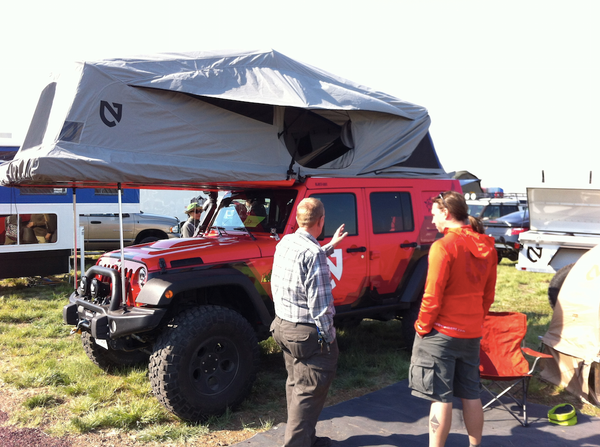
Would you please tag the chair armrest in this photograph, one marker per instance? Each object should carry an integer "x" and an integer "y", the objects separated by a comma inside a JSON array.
[
  {"x": 538, "y": 355},
  {"x": 530, "y": 352}
]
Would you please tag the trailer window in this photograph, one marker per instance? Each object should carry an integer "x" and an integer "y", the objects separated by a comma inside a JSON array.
[{"x": 20, "y": 229}]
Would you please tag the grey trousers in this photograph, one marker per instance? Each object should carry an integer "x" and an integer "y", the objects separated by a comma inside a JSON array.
[{"x": 310, "y": 369}]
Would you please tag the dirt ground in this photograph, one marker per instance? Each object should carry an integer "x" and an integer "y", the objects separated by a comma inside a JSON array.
[{"x": 13, "y": 436}]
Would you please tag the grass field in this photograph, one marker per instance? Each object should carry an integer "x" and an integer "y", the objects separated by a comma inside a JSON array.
[{"x": 57, "y": 388}]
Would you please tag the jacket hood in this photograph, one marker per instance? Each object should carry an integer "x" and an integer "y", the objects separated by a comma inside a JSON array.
[{"x": 480, "y": 245}]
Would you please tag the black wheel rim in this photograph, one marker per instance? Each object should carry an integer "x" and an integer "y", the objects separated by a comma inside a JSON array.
[{"x": 214, "y": 365}]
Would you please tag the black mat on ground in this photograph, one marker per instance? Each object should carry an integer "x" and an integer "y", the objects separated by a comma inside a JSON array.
[{"x": 392, "y": 417}]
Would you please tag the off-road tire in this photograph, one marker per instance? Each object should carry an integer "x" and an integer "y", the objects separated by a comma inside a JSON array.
[
  {"x": 556, "y": 283},
  {"x": 110, "y": 359},
  {"x": 204, "y": 362}
]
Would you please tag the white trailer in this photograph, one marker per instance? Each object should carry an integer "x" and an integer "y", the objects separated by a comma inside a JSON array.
[{"x": 564, "y": 224}]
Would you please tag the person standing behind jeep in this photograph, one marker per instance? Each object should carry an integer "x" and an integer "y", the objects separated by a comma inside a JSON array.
[
  {"x": 194, "y": 211},
  {"x": 459, "y": 291},
  {"x": 303, "y": 326}
]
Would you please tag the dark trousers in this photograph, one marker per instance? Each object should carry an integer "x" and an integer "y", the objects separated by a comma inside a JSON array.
[{"x": 310, "y": 369}]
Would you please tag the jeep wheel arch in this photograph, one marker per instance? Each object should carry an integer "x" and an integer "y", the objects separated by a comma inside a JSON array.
[
  {"x": 154, "y": 292},
  {"x": 150, "y": 236}
]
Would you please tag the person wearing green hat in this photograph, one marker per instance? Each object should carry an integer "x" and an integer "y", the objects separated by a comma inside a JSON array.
[{"x": 194, "y": 211}]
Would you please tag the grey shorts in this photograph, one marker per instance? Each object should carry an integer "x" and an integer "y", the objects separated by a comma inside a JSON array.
[{"x": 442, "y": 367}]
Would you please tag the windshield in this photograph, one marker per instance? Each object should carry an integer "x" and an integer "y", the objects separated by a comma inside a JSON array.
[
  {"x": 475, "y": 210},
  {"x": 255, "y": 210}
]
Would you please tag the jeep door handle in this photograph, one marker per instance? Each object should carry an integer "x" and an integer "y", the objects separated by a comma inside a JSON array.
[
  {"x": 411, "y": 245},
  {"x": 356, "y": 250},
  {"x": 96, "y": 222}
]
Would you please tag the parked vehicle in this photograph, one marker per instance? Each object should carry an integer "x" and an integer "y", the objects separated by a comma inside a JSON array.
[
  {"x": 565, "y": 224},
  {"x": 101, "y": 230},
  {"x": 200, "y": 305},
  {"x": 505, "y": 231},
  {"x": 495, "y": 207}
]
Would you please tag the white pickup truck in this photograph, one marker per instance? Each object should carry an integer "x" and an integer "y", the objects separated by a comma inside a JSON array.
[{"x": 564, "y": 224}]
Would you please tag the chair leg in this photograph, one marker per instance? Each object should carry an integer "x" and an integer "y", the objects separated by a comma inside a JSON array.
[
  {"x": 522, "y": 403},
  {"x": 525, "y": 388}
]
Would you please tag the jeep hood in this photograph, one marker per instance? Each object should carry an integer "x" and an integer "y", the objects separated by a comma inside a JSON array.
[
  {"x": 188, "y": 252},
  {"x": 183, "y": 120}
]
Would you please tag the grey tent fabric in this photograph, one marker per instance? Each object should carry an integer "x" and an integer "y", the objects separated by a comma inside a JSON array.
[{"x": 193, "y": 119}]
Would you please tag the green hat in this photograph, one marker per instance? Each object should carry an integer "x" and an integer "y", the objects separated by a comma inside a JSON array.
[{"x": 191, "y": 207}]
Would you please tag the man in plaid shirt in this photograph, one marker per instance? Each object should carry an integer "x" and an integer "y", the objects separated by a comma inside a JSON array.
[{"x": 303, "y": 326}]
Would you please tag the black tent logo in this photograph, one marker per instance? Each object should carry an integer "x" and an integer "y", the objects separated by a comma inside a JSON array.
[{"x": 116, "y": 111}]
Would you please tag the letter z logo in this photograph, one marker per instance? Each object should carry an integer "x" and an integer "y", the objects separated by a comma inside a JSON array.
[
  {"x": 116, "y": 111},
  {"x": 338, "y": 268}
]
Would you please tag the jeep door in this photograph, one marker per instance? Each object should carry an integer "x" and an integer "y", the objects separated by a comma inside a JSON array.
[
  {"x": 393, "y": 236},
  {"x": 349, "y": 263}
]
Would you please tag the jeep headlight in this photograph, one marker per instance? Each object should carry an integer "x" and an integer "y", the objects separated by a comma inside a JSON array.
[
  {"x": 99, "y": 289},
  {"x": 142, "y": 276}
]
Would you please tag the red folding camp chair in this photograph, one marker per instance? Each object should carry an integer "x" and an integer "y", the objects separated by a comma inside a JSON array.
[{"x": 502, "y": 361}]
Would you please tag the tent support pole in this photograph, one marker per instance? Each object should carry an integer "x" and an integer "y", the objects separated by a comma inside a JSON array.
[
  {"x": 123, "y": 295},
  {"x": 75, "y": 234}
]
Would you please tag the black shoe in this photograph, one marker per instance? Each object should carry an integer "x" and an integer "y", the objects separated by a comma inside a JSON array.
[{"x": 321, "y": 441}]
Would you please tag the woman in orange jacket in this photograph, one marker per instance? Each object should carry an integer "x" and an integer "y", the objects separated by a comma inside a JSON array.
[{"x": 459, "y": 291}]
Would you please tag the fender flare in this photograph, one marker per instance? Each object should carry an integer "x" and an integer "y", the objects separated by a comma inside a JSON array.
[
  {"x": 413, "y": 291},
  {"x": 154, "y": 291}
]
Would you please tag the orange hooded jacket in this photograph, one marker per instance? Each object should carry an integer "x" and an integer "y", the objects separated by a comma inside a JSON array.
[{"x": 460, "y": 286}]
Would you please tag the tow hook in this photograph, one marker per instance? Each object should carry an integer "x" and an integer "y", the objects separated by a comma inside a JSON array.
[{"x": 77, "y": 329}]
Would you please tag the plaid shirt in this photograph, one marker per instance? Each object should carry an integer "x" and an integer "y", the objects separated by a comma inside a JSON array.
[{"x": 301, "y": 282}]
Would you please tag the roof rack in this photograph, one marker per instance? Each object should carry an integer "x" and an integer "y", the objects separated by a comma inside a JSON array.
[{"x": 496, "y": 195}]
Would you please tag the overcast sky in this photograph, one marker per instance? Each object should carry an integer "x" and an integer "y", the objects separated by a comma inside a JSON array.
[{"x": 512, "y": 87}]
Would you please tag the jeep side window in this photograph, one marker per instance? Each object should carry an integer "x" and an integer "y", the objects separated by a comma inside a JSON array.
[
  {"x": 391, "y": 212},
  {"x": 340, "y": 208}
]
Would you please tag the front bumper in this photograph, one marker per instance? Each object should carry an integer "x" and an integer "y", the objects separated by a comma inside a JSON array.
[{"x": 104, "y": 324}]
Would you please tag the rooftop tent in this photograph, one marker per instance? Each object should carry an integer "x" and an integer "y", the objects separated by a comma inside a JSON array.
[
  {"x": 469, "y": 182},
  {"x": 573, "y": 336},
  {"x": 193, "y": 119}
]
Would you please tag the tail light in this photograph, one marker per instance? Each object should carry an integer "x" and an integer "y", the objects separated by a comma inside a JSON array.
[{"x": 517, "y": 231}]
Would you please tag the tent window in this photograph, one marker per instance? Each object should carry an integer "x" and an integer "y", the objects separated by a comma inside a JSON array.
[
  {"x": 260, "y": 112},
  {"x": 313, "y": 140},
  {"x": 423, "y": 156},
  {"x": 71, "y": 131}
]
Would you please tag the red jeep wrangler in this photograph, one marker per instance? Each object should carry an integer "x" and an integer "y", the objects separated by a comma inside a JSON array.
[{"x": 200, "y": 305}]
